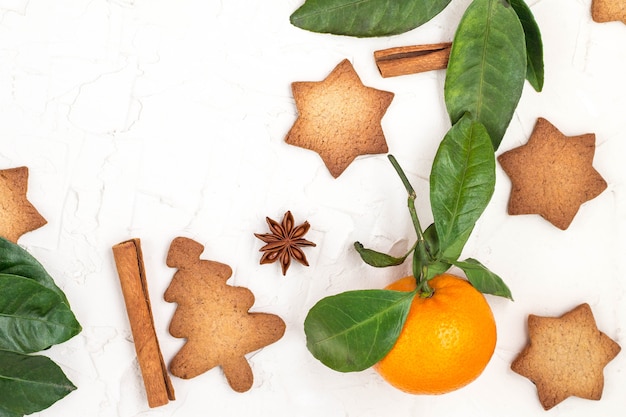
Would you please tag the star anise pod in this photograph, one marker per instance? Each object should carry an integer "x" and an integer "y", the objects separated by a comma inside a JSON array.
[{"x": 284, "y": 242}]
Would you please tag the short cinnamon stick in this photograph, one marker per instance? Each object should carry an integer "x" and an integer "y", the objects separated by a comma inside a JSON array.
[
  {"x": 405, "y": 60},
  {"x": 130, "y": 268}
]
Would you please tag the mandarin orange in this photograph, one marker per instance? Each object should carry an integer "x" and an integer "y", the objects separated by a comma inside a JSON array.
[{"x": 447, "y": 340}]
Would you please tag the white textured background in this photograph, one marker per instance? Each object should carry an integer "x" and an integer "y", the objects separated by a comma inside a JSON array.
[{"x": 155, "y": 119}]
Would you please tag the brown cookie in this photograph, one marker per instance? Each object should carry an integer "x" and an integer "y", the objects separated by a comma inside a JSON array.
[
  {"x": 552, "y": 175},
  {"x": 566, "y": 356},
  {"x": 214, "y": 318},
  {"x": 608, "y": 10},
  {"x": 339, "y": 118},
  {"x": 17, "y": 214}
]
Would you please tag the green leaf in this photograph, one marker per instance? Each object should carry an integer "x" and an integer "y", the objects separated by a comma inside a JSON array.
[
  {"x": 378, "y": 259},
  {"x": 29, "y": 384},
  {"x": 365, "y": 18},
  {"x": 16, "y": 261},
  {"x": 437, "y": 268},
  {"x": 432, "y": 240},
  {"x": 462, "y": 181},
  {"x": 354, "y": 330},
  {"x": 483, "y": 279},
  {"x": 6, "y": 413},
  {"x": 534, "y": 44},
  {"x": 32, "y": 317},
  {"x": 487, "y": 66}
]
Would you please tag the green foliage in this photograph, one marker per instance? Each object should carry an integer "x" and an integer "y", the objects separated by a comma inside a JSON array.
[
  {"x": 365, "y": 18},
  {"x": 496, "y": 47},
  {"x": 338, "y": 327},
  {"x": 16, "y": 261},
  {"x": 30, "y": 383},
  {"x": 353, "y": 330},
  {"x": 34, "y": 315},
  {"x": 534, "y": 44},
  {"x": 487, "y": 67},
  {"x": 379, "y": 259},
  {"x": 462, "y": 181},
  {"x": 481, "y": 277}
]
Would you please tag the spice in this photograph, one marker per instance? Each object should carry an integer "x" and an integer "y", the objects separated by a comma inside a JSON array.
[
  {"x": 406, "y": 60},
  {"x": 130, "y": 268},
  {"x": 284, "y": 242}
]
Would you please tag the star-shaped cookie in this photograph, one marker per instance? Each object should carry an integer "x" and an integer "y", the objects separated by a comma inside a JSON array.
[
  {"x": 608, "y": 10},
  {"x": 566, "y": 356},
  {"x": 339, "y": 118},
  {"x": 552, "y": 175},
  {"x": 17, "y": 214}
]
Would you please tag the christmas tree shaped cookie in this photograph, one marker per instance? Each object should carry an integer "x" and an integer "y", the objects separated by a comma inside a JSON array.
[{"x": 214, "y": 318}]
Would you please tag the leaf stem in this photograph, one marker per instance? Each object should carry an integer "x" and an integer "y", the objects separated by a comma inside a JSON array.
[
  {"x": 420, "y": 252},
  {"x": 412, "y": 196}
]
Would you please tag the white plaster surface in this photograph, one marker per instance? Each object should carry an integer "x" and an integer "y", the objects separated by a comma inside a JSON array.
[{"x": 156, "y": 119}]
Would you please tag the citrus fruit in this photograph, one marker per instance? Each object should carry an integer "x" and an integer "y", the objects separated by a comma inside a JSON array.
[{"x": 447, "y": 339}]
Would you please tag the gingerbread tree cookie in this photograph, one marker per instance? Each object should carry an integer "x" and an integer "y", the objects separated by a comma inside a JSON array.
[
  {"x": 552, "y": 175},
  {"x": 566, "y": 356},
  {"x": 17, "y": 214},
  {"x": 214, "y": 318},
  {"x": 339, "y": 118}
]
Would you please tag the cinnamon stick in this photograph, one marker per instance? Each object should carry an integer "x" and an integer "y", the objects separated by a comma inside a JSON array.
[
  {"x": 130, "y": 268},
  {"x": 405, "y": 60}
]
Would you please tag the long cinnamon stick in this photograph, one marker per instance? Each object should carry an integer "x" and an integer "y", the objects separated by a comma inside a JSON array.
[
  {"x": 130, "y": 268},
  {"x": 405, "y": 60}
]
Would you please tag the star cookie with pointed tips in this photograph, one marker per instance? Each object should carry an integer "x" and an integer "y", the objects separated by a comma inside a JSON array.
[
  {"x": 339, "y": 118},
  {"x": 17, "y": 214},
  {"x": 566, "y": 356},
  {"x": 608, "y": 11},
  {"x": 552, "y": 175}
]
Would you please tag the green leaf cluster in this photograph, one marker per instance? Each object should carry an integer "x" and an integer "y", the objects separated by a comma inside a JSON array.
[
  {"x": 34, "y": 315},
  {"x": 496, "y": 48}
]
